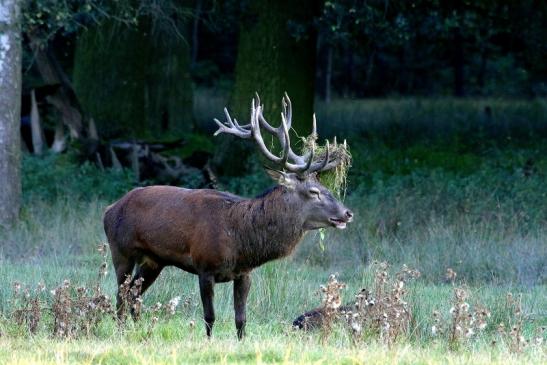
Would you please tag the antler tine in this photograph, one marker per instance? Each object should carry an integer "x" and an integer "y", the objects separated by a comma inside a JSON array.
[
  {"x": 306, "y": 167},
  {"x": 285, "y": 142},
  {"x": 288, "y": 159},
  {"x": 242, "y": 127},
  {"x": 255, "y": 129},
  {"x": 267, "y": 125},
  {"x": 321, "y": 165},
  {"x": 287, "y": 109},
  {"x": 283, "y": 137},
  {"x": 231, "y": 128},
  {"x": 282, "y": 132},
  {"x": 263, "y": 121}
]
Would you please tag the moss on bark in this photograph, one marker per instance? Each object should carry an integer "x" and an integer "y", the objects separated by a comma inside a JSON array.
[{"x": 132, "y": 82}]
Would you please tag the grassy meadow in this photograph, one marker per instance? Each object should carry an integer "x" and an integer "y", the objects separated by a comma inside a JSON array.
[{"x": 435, "y": 184}]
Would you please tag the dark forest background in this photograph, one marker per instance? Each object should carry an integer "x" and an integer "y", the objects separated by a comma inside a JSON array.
[
  {"x": 135, "y": 67},
  {"x": 132, "y": 78}
]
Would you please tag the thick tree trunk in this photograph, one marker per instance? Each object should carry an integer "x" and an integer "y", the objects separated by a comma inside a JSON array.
[
  {"x": 458, "y": 63},
  {"x": 271, "y": 61},
  {"x": 328, "y": 74},
  {"x": 481, "y": 74},
  {"x": 458, "y": 52},
  {"x": 195, "y": 33},
  {"x": 10, "y": 110},
  {"x": 349, "y": 71},
  {"x": 135, "y": 82}
]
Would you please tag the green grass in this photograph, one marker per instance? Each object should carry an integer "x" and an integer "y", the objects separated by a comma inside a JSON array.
[
  {"x": 58, "y": 241},
  {"x": 264, "y": 348},
  {"x": 407, "y": 120},
  {"x": 280, "y": 292},
  {"x": 435, "y": 184}
]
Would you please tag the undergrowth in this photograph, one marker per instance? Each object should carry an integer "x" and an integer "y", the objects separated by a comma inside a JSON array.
[{"x": 388, "y": 309}]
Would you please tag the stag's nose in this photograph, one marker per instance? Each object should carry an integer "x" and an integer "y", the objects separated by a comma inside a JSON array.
[{"x": 349, "y": 215}]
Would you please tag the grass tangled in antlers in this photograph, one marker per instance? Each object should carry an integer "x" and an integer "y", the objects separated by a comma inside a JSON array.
[{"x": 334, "y": 179}]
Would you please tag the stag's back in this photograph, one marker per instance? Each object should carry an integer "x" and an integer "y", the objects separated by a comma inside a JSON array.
[{"x": 165, "y": 220}]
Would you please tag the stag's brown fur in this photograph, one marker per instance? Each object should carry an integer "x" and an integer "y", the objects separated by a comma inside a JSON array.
[
  {"x": 202, "y": 230},
  {"x": 218, "y": 236}
]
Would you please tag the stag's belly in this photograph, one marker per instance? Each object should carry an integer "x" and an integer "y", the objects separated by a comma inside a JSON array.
[{"x": 222, "y": 274}]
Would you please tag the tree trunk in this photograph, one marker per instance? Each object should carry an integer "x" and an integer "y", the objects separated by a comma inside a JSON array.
[
  {"x": 328, "y": 74},
  {"x": 195, "y": 33},
  {"x": 349, "y": 65},
  {"x": 458, "y": 63},
  {"x": 481, "y": 74},
  {"x": 134, "y": 81},
  {"x": 271, "y": 61},
  {"x": 10, "y": 111},
  {"x": 458, "y": 53}
]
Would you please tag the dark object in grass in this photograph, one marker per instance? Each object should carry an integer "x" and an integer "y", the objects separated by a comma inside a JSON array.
[
  {"x": 314, "y": 319},
  {"x": 219, "y": 236}
]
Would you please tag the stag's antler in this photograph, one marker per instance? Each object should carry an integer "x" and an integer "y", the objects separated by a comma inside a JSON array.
[{"x": 288, "y": 159}]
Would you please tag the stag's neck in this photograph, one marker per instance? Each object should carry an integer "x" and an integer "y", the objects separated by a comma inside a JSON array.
[{"x": 270, "y": 227}]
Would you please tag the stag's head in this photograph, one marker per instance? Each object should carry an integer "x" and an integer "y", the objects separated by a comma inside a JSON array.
[{"x": 298, "y": 173}]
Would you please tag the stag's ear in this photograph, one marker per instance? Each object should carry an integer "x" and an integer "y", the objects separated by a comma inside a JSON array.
[{"x": 282, "y": 178}]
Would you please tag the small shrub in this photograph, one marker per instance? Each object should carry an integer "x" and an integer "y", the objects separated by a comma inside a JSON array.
[
  {"x": 464, "y": 322},
  {"x": 28, "y": 304},
  {"x": 53, "y": 176},
  {"x": 381, "y": 312},
  {"x": 384, "y": 311},
  {"x": 513, "y": 335}
]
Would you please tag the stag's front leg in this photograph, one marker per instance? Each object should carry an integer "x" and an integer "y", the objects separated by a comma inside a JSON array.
[
  {"x": 206, "y": 289},
  {"x": 241, "y": 290}
]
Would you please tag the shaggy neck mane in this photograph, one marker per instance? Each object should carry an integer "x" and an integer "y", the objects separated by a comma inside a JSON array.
[{"x": 268, "y": 226}]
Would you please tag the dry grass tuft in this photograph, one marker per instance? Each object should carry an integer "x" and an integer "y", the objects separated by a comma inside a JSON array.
[
  {"x": 76, "y": 311},
  {"x": 332, "y": 301},
  {"x": 27, "y": 302},
  {"x": 130, "y": 294},
  {"x": 464, "y": 321},
  {"x": 513, "y": 334},
  {"x": 382, "y": 312}
]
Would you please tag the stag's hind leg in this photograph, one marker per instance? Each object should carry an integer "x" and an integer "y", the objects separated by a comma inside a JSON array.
[
  {"x": 206, "y": 289},
  {"x": 241, "y": 290},
  {"x": 147, "y": 270},
  {"x": 124, "y": 267}
]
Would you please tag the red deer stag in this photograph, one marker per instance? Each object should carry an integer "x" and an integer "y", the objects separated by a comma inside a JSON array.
[{"x": 219, "y": 236}]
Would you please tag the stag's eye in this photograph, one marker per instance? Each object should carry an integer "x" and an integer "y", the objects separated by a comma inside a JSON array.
[{"x": 314, "y": 192}]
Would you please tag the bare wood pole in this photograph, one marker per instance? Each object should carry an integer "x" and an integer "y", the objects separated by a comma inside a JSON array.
[
  {"x": 59, "y": 141},
  {"x": 135, "y": 161},
  {"x": 116, "y": 164},
  {"x": 36, "y": 126},
  {"x": 93, "y": 134}
]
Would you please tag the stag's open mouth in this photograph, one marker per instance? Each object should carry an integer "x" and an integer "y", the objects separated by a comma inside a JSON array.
[{"x": 338, "y": 223}]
